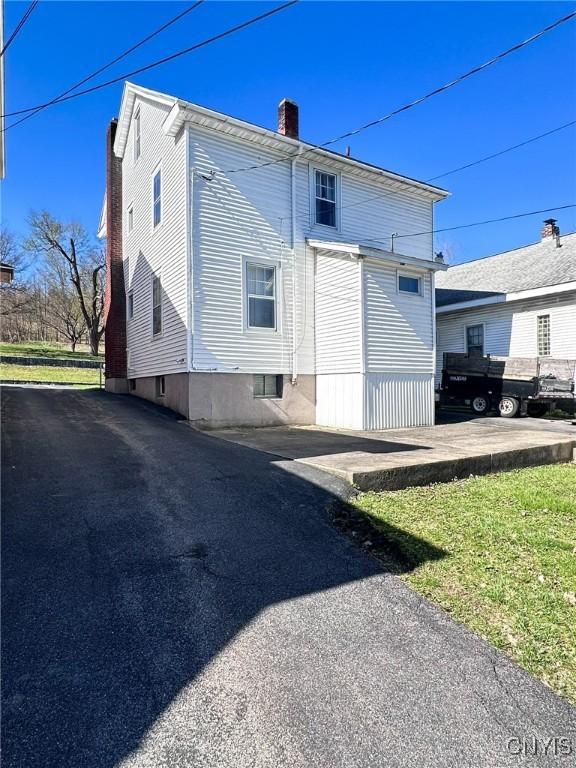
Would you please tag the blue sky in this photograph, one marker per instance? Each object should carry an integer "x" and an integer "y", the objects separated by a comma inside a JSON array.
[{"x": 346, "y": 64}]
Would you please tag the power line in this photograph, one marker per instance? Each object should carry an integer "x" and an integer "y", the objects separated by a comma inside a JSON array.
[
  {"x": 18, "y": 27},
  {"x": 164, "y": 60},
  {"x": 503, "y": 151},
  {"x": 109, "y": 64},
  {"x": 474, "y": 224},
  {"x": 454, "y": 170},
  {"x": 418, "y": 101}
]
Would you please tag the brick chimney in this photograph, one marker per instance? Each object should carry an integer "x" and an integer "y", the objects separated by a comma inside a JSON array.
[
  {"x": 288, "y": 119},
  {"x": 550, "y": 231},
  {"x": 115, "y": 299}
]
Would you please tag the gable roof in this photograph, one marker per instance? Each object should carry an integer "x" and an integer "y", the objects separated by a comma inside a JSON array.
[
  {"x": 185, "y": 111},
  {"x": 540, "y": 265}
]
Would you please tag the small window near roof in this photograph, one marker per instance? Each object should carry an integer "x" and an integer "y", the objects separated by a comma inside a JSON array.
[
  {"x": 325, "y": 191},
  {"x": 543, "y": 335},
  {"x": 137, "y": 137},
  {"x": 261, "y": 295},
  {"x": 267, "y": 385},
  {"x": 157, "y": 198},
  {"x": 475, "y": 339},
  {"x": 409, "y": 284}
]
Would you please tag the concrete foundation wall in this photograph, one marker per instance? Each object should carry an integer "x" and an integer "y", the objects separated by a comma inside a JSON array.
[
  {"x": 227, "y": 399},
  {"x": 176, "y": 391},
  {"x": 213, "y": 400}
]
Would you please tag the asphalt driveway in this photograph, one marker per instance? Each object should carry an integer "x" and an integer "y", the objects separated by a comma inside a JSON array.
[{"x": 172, "y": 599}]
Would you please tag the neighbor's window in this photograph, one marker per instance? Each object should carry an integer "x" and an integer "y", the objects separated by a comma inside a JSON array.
[
  {"x": 409, "y": 284},
  {"x": 156, "y": 306},
  {"x": 130, "y": 218},
  {"x": 157, "y": 198},
  {"x": 130, "y": 306},
  {"x": 261, "y": 295},
  {"x": 137, "y": 135},
  {"x": 543, "y": 335},
  {"x": 267, "y": 385},
  {"x": 475, "y": 339},
  {"x": 325, "y": 191}
]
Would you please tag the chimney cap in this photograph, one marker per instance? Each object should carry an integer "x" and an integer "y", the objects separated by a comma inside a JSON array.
[{"x": 550, "y": 221}]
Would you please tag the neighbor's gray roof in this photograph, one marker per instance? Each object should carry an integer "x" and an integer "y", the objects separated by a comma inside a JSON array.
[{"x": 534, "y": 266}]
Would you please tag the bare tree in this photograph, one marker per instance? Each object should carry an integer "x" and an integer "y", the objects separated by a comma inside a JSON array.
[
  {"x": 68, "y": 246},
  {"x": 57, "y": 302}
]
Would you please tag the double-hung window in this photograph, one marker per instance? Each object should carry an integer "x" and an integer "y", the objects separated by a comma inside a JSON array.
[
  {"x": 475, "y": 339},
  {"x": 325, "y": 198},
  {"x": 156, "y": 306},
  {"x": 543, "y": 335},
  {"x": 261, "y": 295},
  {"x": 157, "y": 198},
  {"x": 137, "y": 137}
]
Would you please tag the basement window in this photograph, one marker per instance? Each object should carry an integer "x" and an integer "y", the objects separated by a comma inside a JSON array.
[
  {"x": 160, "y": 386},
  {"x": 267, "y": 385},
  {"x": 543, "y": 335}
]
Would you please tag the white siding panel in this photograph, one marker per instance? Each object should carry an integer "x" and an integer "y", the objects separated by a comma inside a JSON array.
[
  {"x": 399, "y": 400},
  {"x": 162, "y": 252},
  {"x": 339, "y": 400},
  {"x": 510, "y": 329},
  {"x": 398, "y": 327},
  {"x": 338, "y": 315}
]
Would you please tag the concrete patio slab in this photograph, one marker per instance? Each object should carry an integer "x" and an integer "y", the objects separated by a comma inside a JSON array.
[{"x": 397, "y": 459}]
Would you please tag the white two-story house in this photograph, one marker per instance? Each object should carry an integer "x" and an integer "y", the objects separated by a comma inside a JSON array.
[{"x": 256, "y": 279}]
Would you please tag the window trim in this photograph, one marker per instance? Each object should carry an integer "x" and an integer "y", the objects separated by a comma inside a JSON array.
[
  {"x": 414, "y": 276},
  {"x": 158, "y": 276},
  {"x": 338, "y": 202},
  {"x": 475, "y": 325},
  {"x": 157, "y": 170},
  {"x": 137, "y": 119},
  {"x": 246, "y": 296},
  {"x": 538, "y": 318}
]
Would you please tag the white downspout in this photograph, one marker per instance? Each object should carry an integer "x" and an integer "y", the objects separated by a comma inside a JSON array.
[{"x": 294, "y": 270}]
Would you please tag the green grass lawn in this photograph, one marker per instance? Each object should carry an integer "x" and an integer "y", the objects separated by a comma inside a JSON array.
[
  {"x": 509, "y": 569},
  {"x": 48, "y": 373},
  {"x": 46, "y": 349}
]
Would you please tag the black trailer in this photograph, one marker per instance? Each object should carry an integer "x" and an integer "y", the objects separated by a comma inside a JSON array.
[{"x": 512, "y": 385}]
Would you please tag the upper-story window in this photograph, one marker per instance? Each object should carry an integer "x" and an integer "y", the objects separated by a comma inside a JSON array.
[
  {"x": 130, "y": 305},
  {"x": 261, "y": 295},
  {"x": 409, "y": 284},
  {"x": 325, "y": 193},
  {"x": 543, "y": 335},
  {"x": 156, "y": 305},
  {"x": 130, "y": 218},
  {"x": 157, "y": 198},
  {"x": 137, "y": 137}
]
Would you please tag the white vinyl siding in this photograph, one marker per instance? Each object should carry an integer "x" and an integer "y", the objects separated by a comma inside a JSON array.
[
  {"x": 165, "y": 251},
  {"x": 511, "y": 330},
  {"x": 398, "y": 327}
]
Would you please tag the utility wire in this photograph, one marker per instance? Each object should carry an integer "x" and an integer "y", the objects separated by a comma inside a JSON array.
[
  {"x": 18, "y": 27},
  {"x": 503, "y": 151},
  {"x": 418, "y": 101},
  {"x": 474, "y": 224},
  {"x": 454, "y": 170},
  {"x": 164, "y": 60},
  {"x": 109, "y": 64}
]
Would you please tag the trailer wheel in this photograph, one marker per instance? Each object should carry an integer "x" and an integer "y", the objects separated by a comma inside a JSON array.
[
  {"x": 508, "y": 407},
  {"x": 480, "y": 405},
  {"x": 537, "y": 409}
]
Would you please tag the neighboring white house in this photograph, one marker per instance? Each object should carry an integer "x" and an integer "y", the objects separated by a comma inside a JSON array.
[
  {"x": 520, "y": 303},
  {"x": 259, "y": 279}
]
